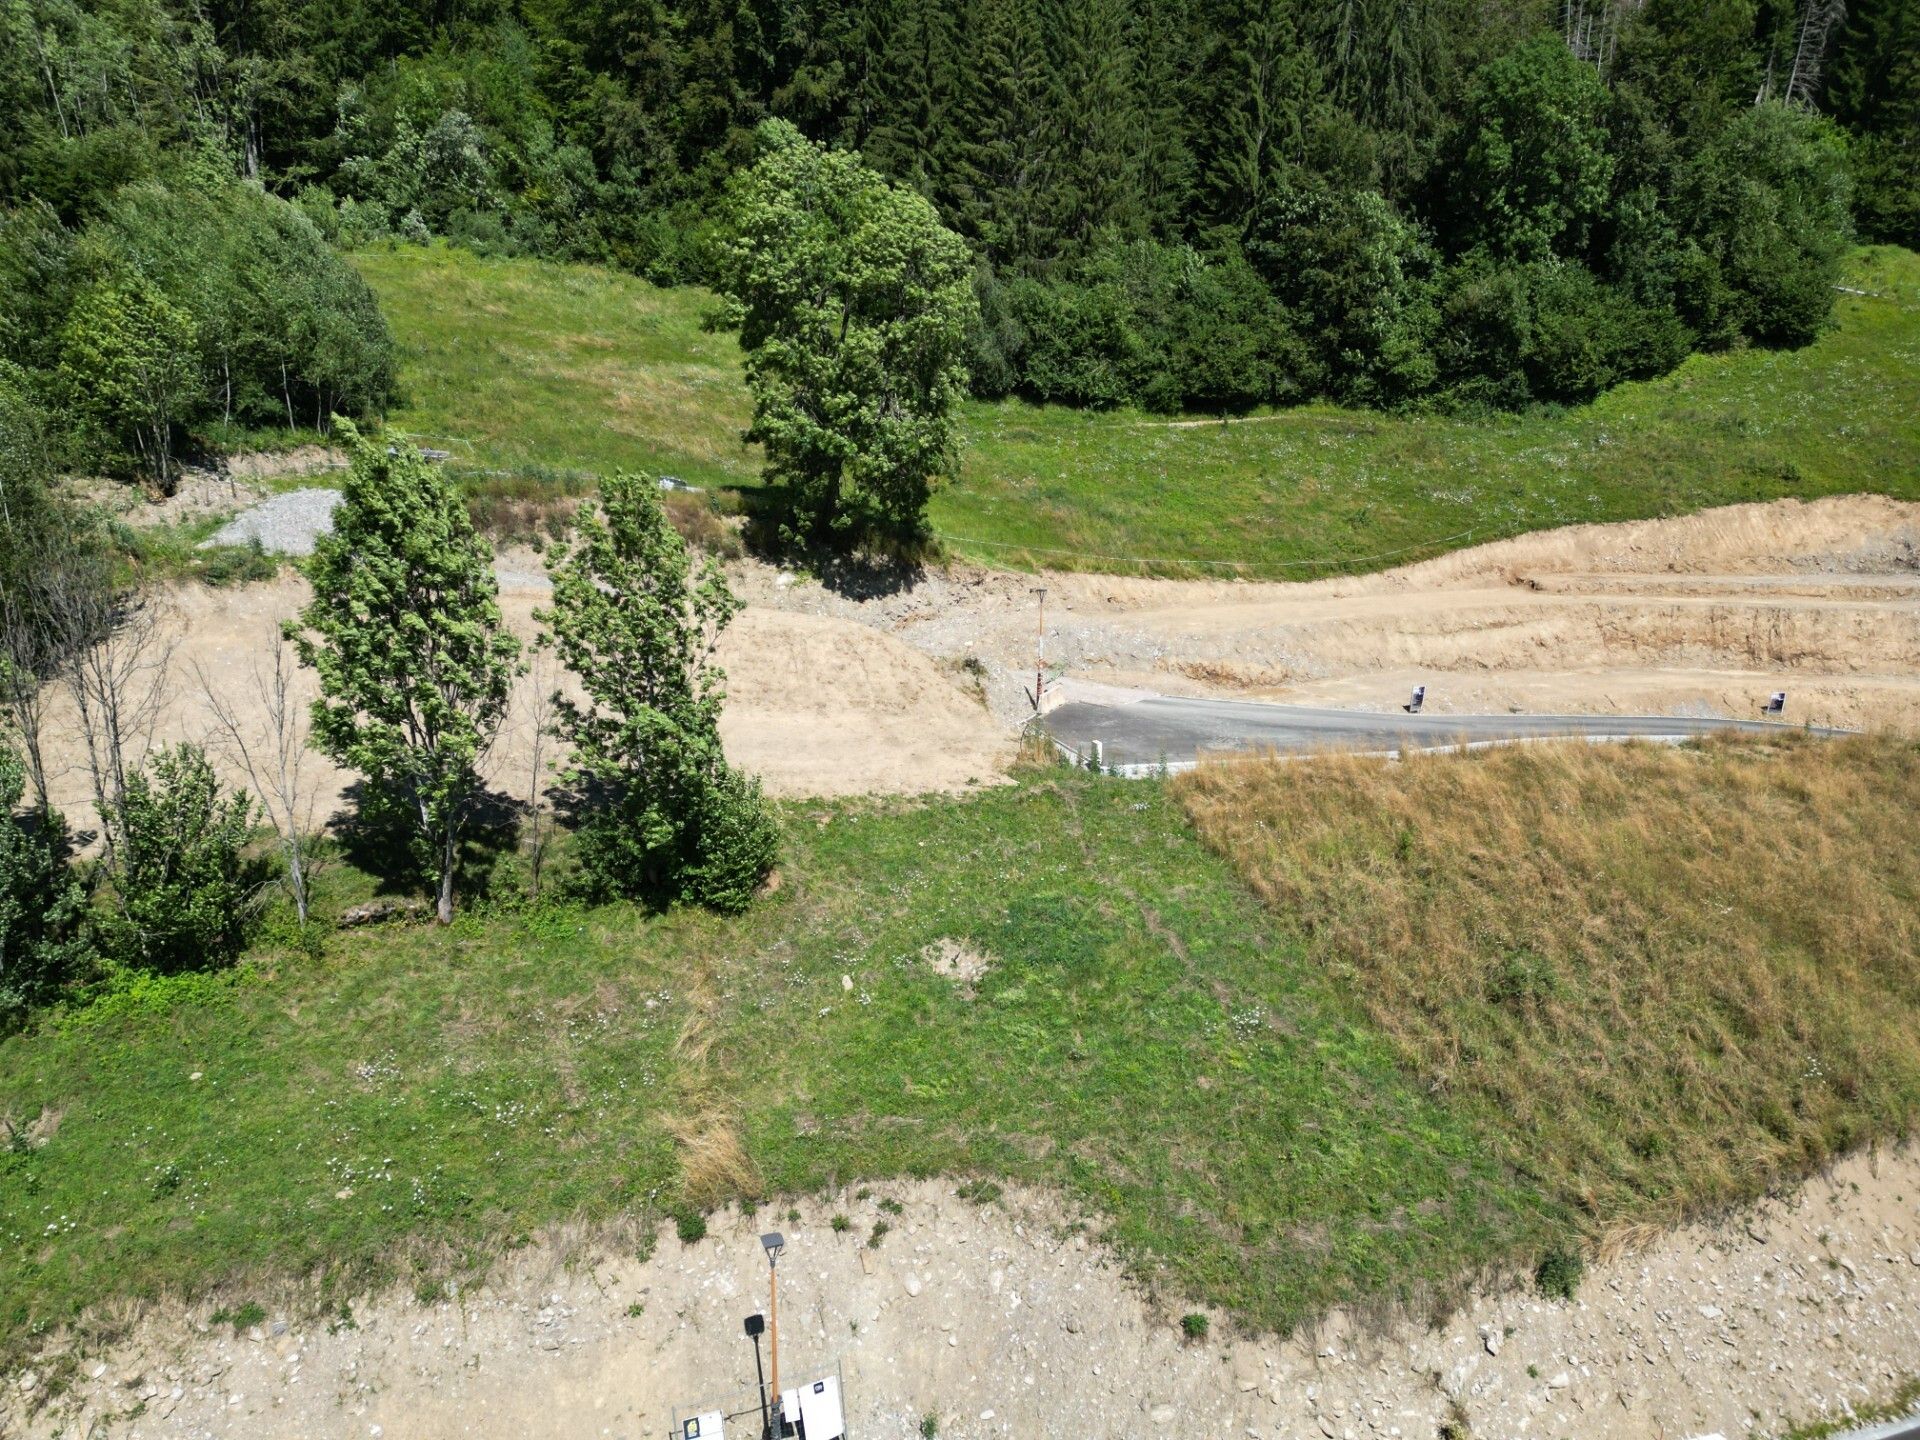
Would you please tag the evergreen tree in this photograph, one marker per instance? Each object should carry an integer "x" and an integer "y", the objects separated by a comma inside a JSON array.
[
  {"x": 1258, "y": 83},
  {"x": 1097, "y": 146},
  {"x": 908, "y": 97},
  {"x": 1000, "y": 192}
]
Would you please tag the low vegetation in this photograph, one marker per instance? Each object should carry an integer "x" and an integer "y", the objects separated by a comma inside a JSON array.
[
  {"x": 1492, "y": 1008},
  {"x": 548, "y": 373},
  {"x": 1663, "y": 979},
  {"x": 419, "y": 1095}
]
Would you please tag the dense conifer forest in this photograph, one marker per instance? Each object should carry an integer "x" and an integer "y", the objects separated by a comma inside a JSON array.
[{"x": 1205, "y": 204}]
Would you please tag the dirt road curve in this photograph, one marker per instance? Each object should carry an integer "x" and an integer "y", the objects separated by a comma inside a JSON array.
[
  {"x": 1140, "y": 733},
  {"x": 1698, "y": 616},
  {"x": 922, "y": 688}
]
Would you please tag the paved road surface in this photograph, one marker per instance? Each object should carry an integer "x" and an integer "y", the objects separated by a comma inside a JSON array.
[{"x": 1155, "y": 729}]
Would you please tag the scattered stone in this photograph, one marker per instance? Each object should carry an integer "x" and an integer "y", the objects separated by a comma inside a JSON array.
[
  {"x": 285, "y": 524},
  {"x": 1162, "y": 1414},
  {"x": 914, "y": 1284},
  {"x": 379, "y": 912}
]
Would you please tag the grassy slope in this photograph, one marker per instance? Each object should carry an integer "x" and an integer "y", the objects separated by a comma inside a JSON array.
[
  {"x": 1665, "y": 979},
  {"x": 1492, "y": 1003},
  {"x": 541, "y": 370},
  {"x": 548, "y": 370},
  {"x": 1146, "y": 1038}
]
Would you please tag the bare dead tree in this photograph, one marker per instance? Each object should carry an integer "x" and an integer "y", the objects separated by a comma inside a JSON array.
[
  {"x": 60, "y": 597},
  {"x": 271, "y": 753},
  {"x": 1818, "y": 21},
  {"x": 118, "y": 684},
  {"x": 540, "y": 717},
  {"x": 1592, "y": 28}
]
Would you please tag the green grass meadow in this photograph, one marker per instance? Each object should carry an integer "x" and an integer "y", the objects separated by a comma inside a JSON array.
[
  {"x": 399, "y": 1108},
  {"x": 538, "y": 375}
]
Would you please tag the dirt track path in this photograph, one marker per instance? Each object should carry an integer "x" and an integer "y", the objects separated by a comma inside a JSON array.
[
  {"x": 921, "y": 689},
  {"x": 1702, "y": 615}
]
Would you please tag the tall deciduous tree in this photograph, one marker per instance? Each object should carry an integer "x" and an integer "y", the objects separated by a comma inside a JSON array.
[
  {"x": 127, "y": 357},
  {"x": 1535, "y": 171},
  {"x": 636, "y": 624},
  {"x": 853, "y": 303},
  {"x": 415, "y": 666}
]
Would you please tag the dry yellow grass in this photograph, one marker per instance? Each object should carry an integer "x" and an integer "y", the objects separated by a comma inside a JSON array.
[{"x": 1664, "y": 979}]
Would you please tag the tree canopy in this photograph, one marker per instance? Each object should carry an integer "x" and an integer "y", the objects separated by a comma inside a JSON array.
[
  {"x": 1129, "y": 176},
  {"x": 853, "y": 304}
]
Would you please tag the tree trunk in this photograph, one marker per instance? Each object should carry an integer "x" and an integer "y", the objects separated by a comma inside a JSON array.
[{"x": 443, "y": 904}]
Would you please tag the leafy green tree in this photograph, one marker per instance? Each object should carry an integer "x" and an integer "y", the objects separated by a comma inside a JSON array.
[
  {"x": 1766, "y": 208},
  {"x": 1358, "y": 280},
  {"x": 1534, "y": 173},
  {"x": 127, "y": 359},
  {"x": 43, "y": 906},
  {"x": 186, "y": 893},
  {"x": 415, "y": 665},
  {"x": 853, "y": 304},
  {"x": 637, "y": 626}
]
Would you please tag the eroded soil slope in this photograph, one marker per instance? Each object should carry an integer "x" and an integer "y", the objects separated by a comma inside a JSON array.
[
  {"x": 1006, "y": 1319},
  {"x": 1701, "y": 615}
]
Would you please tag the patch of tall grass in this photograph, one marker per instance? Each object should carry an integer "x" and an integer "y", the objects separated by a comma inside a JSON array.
[{"x": 1663, "y": 979}]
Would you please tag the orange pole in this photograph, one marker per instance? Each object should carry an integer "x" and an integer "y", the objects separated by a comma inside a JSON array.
[{"x": 773, "y": 1329}]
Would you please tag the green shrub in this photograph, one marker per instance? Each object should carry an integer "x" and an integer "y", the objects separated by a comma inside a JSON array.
[
  {"x": 689, "y": 1224},
  {"x": 1558, "y": 1274},
  {"x": 734, "y": 843},
  {"x": 186, "y": 894},
  {"x": 43, "y": 943},
  {"x": 1195, "y": 1325}
]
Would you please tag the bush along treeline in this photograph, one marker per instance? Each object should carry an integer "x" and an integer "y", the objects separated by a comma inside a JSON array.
[
  {"x": 170, "y": 310},
  {"x": 415, "y": 670},
  {"x": 1204, "y": 203}
]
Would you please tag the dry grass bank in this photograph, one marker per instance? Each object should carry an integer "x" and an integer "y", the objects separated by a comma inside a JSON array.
[{"x": 1666, "y": 978}]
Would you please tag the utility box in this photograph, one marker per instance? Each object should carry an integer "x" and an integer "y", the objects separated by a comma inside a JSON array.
[
  {"x": 710, "y": 1426},
  {"x": 820, "y": 1414}
]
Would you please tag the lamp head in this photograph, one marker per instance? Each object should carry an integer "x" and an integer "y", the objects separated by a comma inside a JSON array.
[{"x": 756, "y": 1326}]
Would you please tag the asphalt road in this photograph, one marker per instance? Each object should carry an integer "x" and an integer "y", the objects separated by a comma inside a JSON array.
[{"x": 1163, "y": 729}]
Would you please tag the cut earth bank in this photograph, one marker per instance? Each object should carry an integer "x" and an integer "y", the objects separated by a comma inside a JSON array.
[
  {"x": 1706, "y": 614},
  {"x": 1007, "y": 1319},
  {"x": 920, "y": 688}
]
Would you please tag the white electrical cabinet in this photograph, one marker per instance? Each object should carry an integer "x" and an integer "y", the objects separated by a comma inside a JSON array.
[
  {"x": 710, "y": 1426},
  {"x": 820, "y": 1417}
]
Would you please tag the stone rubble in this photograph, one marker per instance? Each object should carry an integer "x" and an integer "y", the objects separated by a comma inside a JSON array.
[{"x": 1003, "y": 1320}]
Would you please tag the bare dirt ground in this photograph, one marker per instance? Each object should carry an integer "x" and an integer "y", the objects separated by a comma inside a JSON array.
[
  {"x": 816, "y": 705},
  {"x": 1702, "y": 615},
  {"x": 920, "y": 689},
  {"x": 1006, "y": 1319}
]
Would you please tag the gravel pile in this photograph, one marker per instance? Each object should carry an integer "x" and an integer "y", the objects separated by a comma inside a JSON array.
[{"x": 285, "y": 524}]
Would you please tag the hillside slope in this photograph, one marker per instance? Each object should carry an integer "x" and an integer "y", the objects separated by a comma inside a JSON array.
[{"x": 536, "y": 374}]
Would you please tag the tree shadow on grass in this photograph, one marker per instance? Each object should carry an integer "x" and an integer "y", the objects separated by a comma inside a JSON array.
[{"x": 378, "y": 840}]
